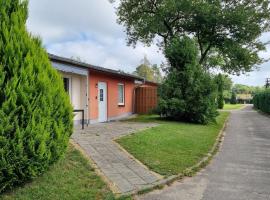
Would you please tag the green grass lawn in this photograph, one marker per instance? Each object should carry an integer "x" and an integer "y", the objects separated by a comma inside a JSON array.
[
  {"x": 71, "y": 178},
  {"x": 172, "y": 147},
  {"x": 233, "y": 106}
]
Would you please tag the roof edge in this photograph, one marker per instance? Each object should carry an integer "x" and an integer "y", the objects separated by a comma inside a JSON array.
[{"x": 93, "y": 67}]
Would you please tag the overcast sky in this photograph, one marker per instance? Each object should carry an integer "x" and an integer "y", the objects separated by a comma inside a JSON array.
[{"x": 88, "y": 29}]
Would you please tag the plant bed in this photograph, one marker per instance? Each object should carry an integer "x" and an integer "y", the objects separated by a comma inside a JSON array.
[{"x": 172, "y": 147}]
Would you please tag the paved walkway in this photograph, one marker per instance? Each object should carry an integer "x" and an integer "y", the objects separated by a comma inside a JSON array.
[
  {"x": 240, "y": 171},
  {"x": 119, "y": 167}
]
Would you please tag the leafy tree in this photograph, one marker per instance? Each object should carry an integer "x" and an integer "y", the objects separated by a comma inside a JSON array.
[
  {"x": 220, "y": 88},
  {"x": 157, "y": 74},
  {"x": 187, "y": 93},
  {"x": 150, "y": 73},
  {"x": 245, "y": 89},
  {"x": 35, "y": 112},
  {"x": 226, "y": 32},
  {"x": 227, "y": 82}
]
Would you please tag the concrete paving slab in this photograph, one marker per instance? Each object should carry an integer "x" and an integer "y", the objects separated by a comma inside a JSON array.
[{"x": 120, "y": 168}]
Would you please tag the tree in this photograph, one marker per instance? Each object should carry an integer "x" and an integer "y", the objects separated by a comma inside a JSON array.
[
  {"x": 227, "y": 82},
  {"x": 36, "y": 117},
  {"x": 220, "y": 89},
  {"x": 187, "y": 93},
  {"x": 226, "y": 32},
  {"x": 157, "y": 74},
  {"x": 233, "y": 98},
  {"x": 150, "y": 73}
]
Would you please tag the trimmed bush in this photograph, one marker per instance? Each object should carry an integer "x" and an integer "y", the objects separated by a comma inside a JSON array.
[
  {"x": 233, "y": 98},
  {"x": 188, "y": 92},
  {"x": 220, "y": 95},
  {"x": 261, "y": 101},
  {"x": 36, "y": 117}
]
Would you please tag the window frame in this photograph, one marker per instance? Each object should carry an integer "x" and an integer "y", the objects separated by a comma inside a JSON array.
[
  {"x": 69, "y": 85},
  {"x": 123, "y": 93}
]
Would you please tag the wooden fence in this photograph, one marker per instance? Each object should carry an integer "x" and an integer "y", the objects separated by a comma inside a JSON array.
[{"x": 145, "y": 99}]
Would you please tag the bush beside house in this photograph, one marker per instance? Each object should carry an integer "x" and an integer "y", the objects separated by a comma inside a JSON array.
[
  {"x": 188, "y": 93},
  {"x": 35, "y": 112}
]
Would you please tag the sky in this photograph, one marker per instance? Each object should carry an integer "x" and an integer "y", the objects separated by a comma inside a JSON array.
[{"x": 88, "y": 29}]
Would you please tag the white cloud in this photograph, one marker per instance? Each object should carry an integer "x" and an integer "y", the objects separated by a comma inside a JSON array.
[{"x": 88, "y": 29}]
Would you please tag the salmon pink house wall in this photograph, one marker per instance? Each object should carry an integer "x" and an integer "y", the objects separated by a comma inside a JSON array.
[
  {"x": 114, "y": 110},
  {"x": 101, "y": 94}
]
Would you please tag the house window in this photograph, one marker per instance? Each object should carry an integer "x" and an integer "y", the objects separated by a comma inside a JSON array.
[
  {"x": 101, "y": 95},
  {"x": 67, "y": 85},
  {"x": 121, "y": 94}
]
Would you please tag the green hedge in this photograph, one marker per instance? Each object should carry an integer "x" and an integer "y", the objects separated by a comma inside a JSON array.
[
  {"x": 261, "y": 101},
  {"x": 36, "y": 117}
]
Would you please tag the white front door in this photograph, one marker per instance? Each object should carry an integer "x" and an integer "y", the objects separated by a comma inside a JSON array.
[{"x": 102, "y": 102}]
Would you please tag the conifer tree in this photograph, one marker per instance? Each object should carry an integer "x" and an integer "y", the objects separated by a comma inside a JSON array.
[
  {"x": 220, "y": 90},
  {"x": 35, "y": 112}
]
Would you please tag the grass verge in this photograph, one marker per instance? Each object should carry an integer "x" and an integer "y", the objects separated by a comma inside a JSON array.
[
  {"x": 71, "y": 178},
  {"x": 172, "y": 147},
  {"x": 233, "y": 106}
]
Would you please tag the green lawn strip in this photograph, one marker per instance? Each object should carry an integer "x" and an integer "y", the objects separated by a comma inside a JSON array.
[
  {"x": 70, "y": 178},
  {"x": 233, "y": 106},
  {"x": 172, "y": 147}
]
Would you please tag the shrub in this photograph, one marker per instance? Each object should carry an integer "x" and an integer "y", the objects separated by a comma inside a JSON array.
[
  {"x": 220, "y": 95},
  {"x": 187, "y": 93},
  {"x": 35, "y": 112},
  {"x": 261, "y": 101},
  {"x": 233, "y": 98}
]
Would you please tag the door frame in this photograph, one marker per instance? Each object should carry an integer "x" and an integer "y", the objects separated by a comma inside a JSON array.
[{"x": 105, "y": 100}]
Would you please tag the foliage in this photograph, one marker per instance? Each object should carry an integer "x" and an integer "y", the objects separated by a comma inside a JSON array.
[
  {"x": 233, "y": 98},
  {"x": 233, "y": 106},
  {"x": 70, "y": 178},
  {"x": 35, "y": 112},
  {"x": 150, "y": 73},
  {"x": 261, "y": 101},
  {"x": 187, "y": 93},
  {"x": 245, "y": 89},
  {"x": 227, "y": 82},
  {"x": 226, "y": 32},
  {"x": 157, "y": 74},
  {"x": 220, "y": 88},
  {"x": 171, "y": 147}
]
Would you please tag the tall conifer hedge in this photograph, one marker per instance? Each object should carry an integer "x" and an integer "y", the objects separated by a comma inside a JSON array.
[
  {"x": 35, "y": 112},
  {"x": 261, "y": 101}
]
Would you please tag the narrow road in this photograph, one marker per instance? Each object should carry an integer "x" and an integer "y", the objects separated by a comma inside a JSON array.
[{"x": 240, "y": 171}]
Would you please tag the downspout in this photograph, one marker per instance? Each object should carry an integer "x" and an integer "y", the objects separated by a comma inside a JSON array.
[{"x": 87, "y": 99}]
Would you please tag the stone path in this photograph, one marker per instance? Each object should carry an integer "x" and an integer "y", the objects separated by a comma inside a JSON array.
[
  {"x": 120, "y": 168},
  {"x": 240, "y": 171}
]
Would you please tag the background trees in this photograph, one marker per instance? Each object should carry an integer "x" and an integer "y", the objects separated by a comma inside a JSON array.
[
  {"x": 36, "y": 117},
  {"x": 148, "y": 71},
  {"x": 226, "y": 32}
]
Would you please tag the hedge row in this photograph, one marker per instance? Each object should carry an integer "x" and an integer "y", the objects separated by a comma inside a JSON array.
[{"x": 261, "y": 101}]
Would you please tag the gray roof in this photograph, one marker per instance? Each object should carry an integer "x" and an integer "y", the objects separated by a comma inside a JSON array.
[{"x": 93, "y": 67}]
